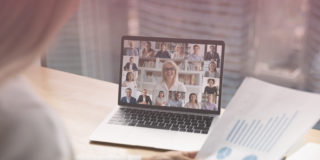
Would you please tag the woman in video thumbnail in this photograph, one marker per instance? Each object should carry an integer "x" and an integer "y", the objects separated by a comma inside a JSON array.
[
  {"x": 147, "y": 51},
  {"x": 163, "y": 53},
  {"x": 129, "y": 82},
  {"x": 160, "y": 100},
  {"x": 179, "y": 52},
  {"x": 212, "y": 72},
  {"x": 209, "y": 104},
  {"x": 211, "y": 89},
  {"x": 193, "y": 102},
  {"x": 169, "y": 80}
]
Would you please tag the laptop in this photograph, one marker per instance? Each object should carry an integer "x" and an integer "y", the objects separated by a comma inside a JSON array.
[{"x": 169, "y": 93}]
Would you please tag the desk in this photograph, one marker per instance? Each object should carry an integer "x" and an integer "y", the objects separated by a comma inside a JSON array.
[{"x": 83, "y": 103}]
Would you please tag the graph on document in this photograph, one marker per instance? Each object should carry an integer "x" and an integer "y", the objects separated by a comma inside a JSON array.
[{"x": 260, "y": 135}]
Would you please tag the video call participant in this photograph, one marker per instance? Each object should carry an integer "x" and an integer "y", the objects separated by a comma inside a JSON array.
[
  {"x": 129, "y": 82},
  {"x": 212, "y": 71},
  {"x": 147, "y": 51},
  {"x": 209, "y": 104},
  {"x": 131, "y": 66},
  {"x": 163, "y": 53},
  {"x": 179, "y": 52},
  {"x": 193, "y": 102},
  {"x": 144, "y": 98},
  {"x": 211, "y": 89},
  {"x": 169, "y": 81},
  {"x": 131, "y": 51},
  {"x": 160, "y": 100},
  {"x": 212, "y": 55},
  {"x": 176, "y": 102},
  {"x": 128, "y": 98},
  {"x": 195, "y": 55}
]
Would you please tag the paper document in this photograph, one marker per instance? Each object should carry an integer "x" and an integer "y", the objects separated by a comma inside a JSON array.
[
  {"x": 261, "y": 122},
  {"x": 309, "y": 151}
]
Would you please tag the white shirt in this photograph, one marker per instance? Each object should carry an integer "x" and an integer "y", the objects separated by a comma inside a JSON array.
[
  {"x": 28, "y": 129},
  {"x": 177, "y": 86}
]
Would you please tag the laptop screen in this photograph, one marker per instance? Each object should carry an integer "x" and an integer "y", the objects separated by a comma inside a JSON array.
[{"x": 177, "y": 74}]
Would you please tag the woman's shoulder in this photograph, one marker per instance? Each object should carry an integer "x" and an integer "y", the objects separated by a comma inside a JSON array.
[{"x": 28, "y": 118}]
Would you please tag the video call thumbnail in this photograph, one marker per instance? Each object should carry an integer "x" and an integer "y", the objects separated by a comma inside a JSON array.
[{"x": 170, "y": 74}]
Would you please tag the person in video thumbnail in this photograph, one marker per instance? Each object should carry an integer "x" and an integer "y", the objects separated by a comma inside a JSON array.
[
  {"x": 131, "y": 66},
  {"x": 209, "y": 104},
  {"x": 163, "y": 53},
  {"x": 179, "y": 52},
  {"x": 160, "y": 100},
  {"x": 129, "y": 82},
  {"x": 147, "y": 51},
  {"x": 212, "y": 72},
  {"x": 211, "y": 89},
  {"x": 144, "y": 98},
  {"x": 212, "y": 55},
  {"x": 193, "y": 102},
  {"x": 131, "y": 51},
  {"x": 169, "y": 81},
  {"x": 128, "y": 98},
  {"x": 176, "y": 102},
  {"x": 195, "y": 55}
]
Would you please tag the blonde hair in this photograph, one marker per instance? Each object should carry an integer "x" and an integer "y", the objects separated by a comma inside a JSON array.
[
  {"x": 169, "y": 62},
  {"x": 27, "y": 26}
]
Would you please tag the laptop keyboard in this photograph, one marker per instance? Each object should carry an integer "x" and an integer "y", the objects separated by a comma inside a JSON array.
[{"x": 162, "y": 120}]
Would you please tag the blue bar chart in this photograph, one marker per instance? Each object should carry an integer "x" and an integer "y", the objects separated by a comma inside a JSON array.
[{"x": 260, "y": 135}]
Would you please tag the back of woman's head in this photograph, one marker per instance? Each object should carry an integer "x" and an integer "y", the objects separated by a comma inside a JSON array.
[{"x": 27, "y": 26}]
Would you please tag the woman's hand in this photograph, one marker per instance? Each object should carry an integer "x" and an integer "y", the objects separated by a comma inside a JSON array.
[{"x": 173, "y": 155}]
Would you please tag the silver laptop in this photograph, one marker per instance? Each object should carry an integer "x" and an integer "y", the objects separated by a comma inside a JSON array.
[{"x": 169, "y": 93}]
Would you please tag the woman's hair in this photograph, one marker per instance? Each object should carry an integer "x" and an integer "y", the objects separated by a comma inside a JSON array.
[
  {"x": 211, "y": 80},
  {"x": 27, "y": 28},
  {"x": 160, "y": 93},
  {"x": 215, "y": 69},
  {"x": 191, "y": 95},
  {"x": 127, "y": 76},
  {"x": 169, "y": 62}
]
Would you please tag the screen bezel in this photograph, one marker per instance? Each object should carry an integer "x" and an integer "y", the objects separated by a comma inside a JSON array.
[{"x": 175, "y": 40}]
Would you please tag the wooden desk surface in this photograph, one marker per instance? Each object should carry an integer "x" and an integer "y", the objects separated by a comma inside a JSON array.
[{"x": 83, "y": 103}]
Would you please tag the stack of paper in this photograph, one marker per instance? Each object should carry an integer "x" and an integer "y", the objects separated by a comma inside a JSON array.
[
  {"x": 262, "y": 122},
  {"x": 309, "y": 152}
]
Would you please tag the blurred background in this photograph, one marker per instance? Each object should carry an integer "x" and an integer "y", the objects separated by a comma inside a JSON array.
[{"x": 276, "y": 41}]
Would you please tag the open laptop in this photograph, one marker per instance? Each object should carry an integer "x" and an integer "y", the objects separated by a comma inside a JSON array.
[{"x": 169, "y": 93}]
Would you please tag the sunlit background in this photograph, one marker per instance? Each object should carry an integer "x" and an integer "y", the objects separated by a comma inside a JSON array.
[{"x": 276, "y": 41}]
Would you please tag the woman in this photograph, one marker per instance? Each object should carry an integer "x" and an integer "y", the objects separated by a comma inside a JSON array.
[
  {"x": 147, "y": 51},
  {"x": 211, "y": 89},
  {"x": 29, "y": 130},
  {"x": 129, "y": 82},
  {"x": 193, "y": 102},
  {"x": 179, "y": 52},
  {"x": 212, "y": 72},
  {"x": 169, "y": 80},
  {"x": 160, "y": 100},
  {"x": 210, "y": 105}
]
